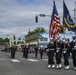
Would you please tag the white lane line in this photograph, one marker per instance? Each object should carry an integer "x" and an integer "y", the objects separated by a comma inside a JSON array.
[
  {"x": 33, "y": 60},
  {"x": 68, "y": 59},
  {"x": 15, "y": 60},
  {"x": 54, "y": 59},
  {"x": 45, "y": 59},
  {"x": 1, "y": 59}
]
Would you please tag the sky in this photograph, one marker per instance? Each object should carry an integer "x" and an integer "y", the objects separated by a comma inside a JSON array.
[{"x": 17, "y": 16}]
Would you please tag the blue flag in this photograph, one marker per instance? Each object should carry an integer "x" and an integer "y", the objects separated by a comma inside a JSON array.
[{"x": 67, "y": 20}]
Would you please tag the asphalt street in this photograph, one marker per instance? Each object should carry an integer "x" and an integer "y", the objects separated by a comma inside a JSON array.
[{"x": 30, "y": 66}]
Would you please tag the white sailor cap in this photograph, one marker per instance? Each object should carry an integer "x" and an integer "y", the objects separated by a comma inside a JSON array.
[
  {"x": 74, "y": 35},
  {"x": 66, "y": 38},
  {"x": 41, "y": 46},
  {"x": 58, "y": 35}
]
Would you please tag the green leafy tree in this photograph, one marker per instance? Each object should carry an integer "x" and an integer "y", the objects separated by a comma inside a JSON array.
[
  {"x": 4, "y": 41},
  {"x": 14, "y": 42},
  {"x": 20, "y": 42},
  {"x": 19, "y": 38},
  {"x": 37, "y": 30}
]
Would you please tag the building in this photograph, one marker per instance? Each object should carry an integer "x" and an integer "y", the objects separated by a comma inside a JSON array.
[
  {"x": 14, "y": 41},
  {"x": 42, "y": 39},
  {"x": 39, "y": 39}
]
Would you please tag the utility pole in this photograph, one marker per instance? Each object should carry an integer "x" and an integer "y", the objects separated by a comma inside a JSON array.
[
  {"x": 41, "y": 15},
  {"x": 29, "y": 36}
]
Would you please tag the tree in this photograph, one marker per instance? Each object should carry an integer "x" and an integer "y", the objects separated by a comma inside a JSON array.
[
  {"x": 1, "y": 39},
  {"x": 20, "y": 42},
  {"x": 19, "y": 38},
  {"x": 4, "y": 41},
  {"x": 37, "y": 30},
  {"x": 14, "y": 42}
]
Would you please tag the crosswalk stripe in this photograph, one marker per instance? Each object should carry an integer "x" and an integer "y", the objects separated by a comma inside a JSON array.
[
  {"x": 33, "y": 60},
  {"x": 54, "y": 59},
  {"x": 15, "y": 60},
  {"x": 45, "y": 59},
  {"x": 1, "y": 59}
]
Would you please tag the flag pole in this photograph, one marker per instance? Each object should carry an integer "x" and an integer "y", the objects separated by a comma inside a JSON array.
[
  {"x": 74, "y": 17},
  {"x": 64, "y": 35},
  {"x": 54, "y": 37},
  {"x": 64, "y": 29}
]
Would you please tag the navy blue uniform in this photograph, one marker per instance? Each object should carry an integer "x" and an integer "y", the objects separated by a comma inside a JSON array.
[
  {"x": 41, "y": 52},
  {"x": 13, "y": 50},
  {"x": 66, "y": 53},
  {"x": 58, "y": 47},
  {"x": 73, "y": 50},
  {"x": 26, "y": 51},
  {"x": 51, "y": 51},
  {"x": 36, "y": 51}
]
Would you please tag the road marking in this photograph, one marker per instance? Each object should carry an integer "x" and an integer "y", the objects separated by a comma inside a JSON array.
[
  {"x": 68, "y": 59},
  {"x": 15, "y": 60},
  {"x": 54, "y": 59},
  {"x": 1, "y": 59},
  {"x": 45, "y": 59},
  {"x": 33, "y": 60}
]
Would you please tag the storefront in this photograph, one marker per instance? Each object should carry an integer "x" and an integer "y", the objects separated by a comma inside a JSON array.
[{"x": 42, "y": 39}]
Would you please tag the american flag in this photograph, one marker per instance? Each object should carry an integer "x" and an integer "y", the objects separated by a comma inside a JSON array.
[{"x": 55, "y": 23}]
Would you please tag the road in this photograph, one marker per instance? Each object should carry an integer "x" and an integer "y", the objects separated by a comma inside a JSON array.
[{"x": 30, "y": 66}]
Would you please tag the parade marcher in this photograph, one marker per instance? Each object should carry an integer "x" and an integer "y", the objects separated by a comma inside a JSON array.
[
  {"x": 58, "y": 47},
  {"x": 13, "y": 50},
  {"x": 51, "y": 51},
  {"x": 73, "y": 50},
  {"x": 26, "y": 51},
  {"x": 36, "y": 51},
  {"x": 41, "y": 52},
  {"x": 66, "y": 52}
]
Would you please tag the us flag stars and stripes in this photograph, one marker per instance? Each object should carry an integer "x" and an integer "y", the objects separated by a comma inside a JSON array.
[{"x": 55, "y": 23}]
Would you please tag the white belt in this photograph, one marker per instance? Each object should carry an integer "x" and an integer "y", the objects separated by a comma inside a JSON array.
[
  {"x": 57, "y": 51},
  {"x": 73, "y": 49},
  {"x": 64, "y": 52},
  {"x": 51, "y": 49},
  {"x": 64, "y": 49},
  {"x": 58, "y": 48}
]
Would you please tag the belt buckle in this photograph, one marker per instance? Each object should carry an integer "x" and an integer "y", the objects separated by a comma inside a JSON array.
[
  {"x": 64, "y": 52},
  {"x": 74, "y": 47},
  {"x": 57, "y": 51}
]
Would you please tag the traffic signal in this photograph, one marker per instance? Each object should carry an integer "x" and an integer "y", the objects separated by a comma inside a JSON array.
[
  {"x": 36, "y": 18},
  {"x": 42, "y": 15}
]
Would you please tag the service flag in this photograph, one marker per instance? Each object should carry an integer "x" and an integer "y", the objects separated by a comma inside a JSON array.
[
  {"x": 67, "y": 20},
  {"x": 54, "y": 29}
]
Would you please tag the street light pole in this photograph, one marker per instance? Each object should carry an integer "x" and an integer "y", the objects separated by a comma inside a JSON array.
[{"x": 29, "y": 36}]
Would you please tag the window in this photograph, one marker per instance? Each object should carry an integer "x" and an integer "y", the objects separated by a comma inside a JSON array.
[{"x": 43, "y": 39}]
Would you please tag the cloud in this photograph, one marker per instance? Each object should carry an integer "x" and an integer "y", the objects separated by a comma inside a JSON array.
[{"x": 17, "y": 16}]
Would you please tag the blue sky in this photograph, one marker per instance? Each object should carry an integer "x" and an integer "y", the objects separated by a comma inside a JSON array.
[{"x": 17, "y": 16}]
